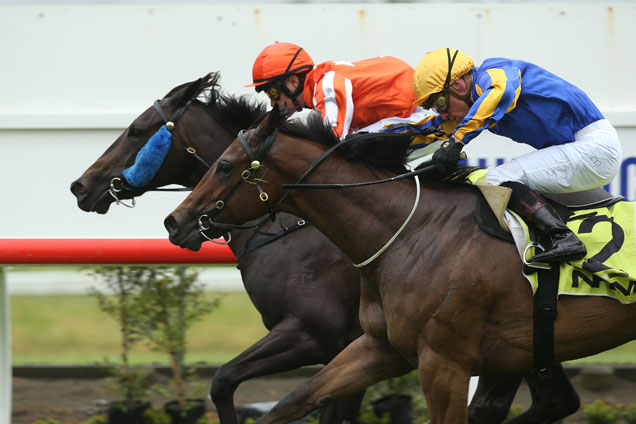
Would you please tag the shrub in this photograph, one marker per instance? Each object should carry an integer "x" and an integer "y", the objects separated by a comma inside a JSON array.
[
  {"x": 121, "y": 301},
  {"x": 170, "y": 301},
  {"x": 155, "y": 416},
  {"x": 97, "y": 419},
  {"x": 629, "y": 414},
  {"x": 368, "y": 417},
  {"x": 602, "y": 412}
]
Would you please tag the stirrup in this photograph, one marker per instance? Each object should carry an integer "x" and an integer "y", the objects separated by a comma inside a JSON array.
[{"x": 538, "y": 265}]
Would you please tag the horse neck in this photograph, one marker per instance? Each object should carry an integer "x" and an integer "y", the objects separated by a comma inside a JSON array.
[
  {"x": 224, "y": 118},
  {"x": 208, "y": 136},
  {"x": 357, "y": 220},
  {"x": 212, "y": 138}
]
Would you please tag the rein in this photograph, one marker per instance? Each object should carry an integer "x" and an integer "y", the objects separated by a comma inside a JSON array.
[
  {"x": 271, "y": 237},
  {"x": 425, "y": 167},
  {"x": 255, "y": 165},
  {"x": 428, "y": 168}
]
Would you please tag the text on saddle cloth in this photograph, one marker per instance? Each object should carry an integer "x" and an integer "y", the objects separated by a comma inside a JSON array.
[{"x": 608, "y": 232}]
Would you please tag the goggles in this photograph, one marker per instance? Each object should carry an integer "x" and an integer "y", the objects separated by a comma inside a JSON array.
[
  {"x": 273, "y": 90},
  {"x": 438, "y": 102}
]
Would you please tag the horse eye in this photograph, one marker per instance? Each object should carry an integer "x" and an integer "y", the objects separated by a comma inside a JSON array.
[
  {"x": 224, "y": 168},
  {"x": 135, "y": 132}
]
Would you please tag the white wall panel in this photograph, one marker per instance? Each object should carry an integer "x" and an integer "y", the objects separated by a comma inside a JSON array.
[{"x": 73, "y": 76}]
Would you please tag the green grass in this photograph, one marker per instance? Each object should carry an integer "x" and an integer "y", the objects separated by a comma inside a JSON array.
[{"x": 72, "y": 330}]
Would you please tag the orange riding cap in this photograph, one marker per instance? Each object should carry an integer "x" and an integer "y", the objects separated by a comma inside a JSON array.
[{"x": 279, "y": 60}]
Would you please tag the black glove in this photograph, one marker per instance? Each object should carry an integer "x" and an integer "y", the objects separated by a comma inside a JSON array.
[{"x": 447, "y": 156}]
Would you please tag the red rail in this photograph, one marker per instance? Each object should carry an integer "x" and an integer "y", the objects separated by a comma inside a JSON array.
[{"x": 108, "y": 251}]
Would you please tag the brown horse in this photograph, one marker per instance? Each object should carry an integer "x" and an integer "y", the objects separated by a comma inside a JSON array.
[
  {"x": 298, "y": 334},
  {"x": 433, "y": 300}
]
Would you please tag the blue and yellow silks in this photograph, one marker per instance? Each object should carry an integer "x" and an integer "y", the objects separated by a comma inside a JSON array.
[
  {"x": 419, "y": 141},
  {"x": 149, "y": 159},
  {"x": 609, "y": 233},
  {"x": 525, "y": 103}
]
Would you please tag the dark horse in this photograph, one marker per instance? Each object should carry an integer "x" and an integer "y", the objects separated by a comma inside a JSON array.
[
  {"x": 433, "y": 300},
  {"x": 304, "y": 288}
]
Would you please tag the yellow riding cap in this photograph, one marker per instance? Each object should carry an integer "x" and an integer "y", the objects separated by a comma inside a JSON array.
[{"x": 437, "y": 71}]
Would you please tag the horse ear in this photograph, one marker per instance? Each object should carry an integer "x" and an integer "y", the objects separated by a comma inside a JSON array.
[
  {"x": 192, "y": 89},
  {"x": 275, "y": 115},
  {"x": 269, "y": 123}
]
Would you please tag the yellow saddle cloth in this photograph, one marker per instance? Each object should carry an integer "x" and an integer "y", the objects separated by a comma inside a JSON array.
[{"x": 609, "y": 269}]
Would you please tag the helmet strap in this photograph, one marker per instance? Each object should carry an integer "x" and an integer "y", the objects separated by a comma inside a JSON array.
[
  {"x": 447, "y": 83},
  {"x": 301, "y": 80},
  {"x": 294, "y": 94}
]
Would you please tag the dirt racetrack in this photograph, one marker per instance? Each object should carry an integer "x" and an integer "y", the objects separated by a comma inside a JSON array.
[{"x": 74, "y": 400}]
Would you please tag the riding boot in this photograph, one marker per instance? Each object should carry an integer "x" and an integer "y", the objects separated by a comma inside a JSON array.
[{"x": 561, "y": 244}]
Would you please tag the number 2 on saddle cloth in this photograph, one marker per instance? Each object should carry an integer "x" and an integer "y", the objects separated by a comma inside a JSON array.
[{"x": 608, "y": 230}]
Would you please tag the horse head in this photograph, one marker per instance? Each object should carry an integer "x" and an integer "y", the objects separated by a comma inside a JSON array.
[
  {"x": 172, "y": 142},
  {"x": 243, "y": 175},
  {"x": 247, "y": 181}
]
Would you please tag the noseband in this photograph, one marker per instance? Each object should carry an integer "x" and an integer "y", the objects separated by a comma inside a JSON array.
[{"x": 250, "y": 176}]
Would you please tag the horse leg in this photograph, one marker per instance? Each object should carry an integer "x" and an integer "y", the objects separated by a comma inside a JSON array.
[
  {"x": 364, "y": 362},
  {"x": 444, "y": 382},
  {"x": 553, "y": 398},
  {"x": 492, "y": 400},
  {"x": 284, "y": 348}
]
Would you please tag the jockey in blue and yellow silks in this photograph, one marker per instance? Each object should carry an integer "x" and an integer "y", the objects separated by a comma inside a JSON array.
[
  {"x": 548, "y": 113},
  {"x": 577, "y": 148}
]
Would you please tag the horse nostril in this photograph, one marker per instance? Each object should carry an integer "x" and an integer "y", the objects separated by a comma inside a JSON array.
[
  {"x": 78, "y": 189},
  {"x": 171, "y": 225}
]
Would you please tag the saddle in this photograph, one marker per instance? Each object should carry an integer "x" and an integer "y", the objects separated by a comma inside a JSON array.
[
  {"x": 490, "y": 218},
  {"x": 492, "y": 205}
]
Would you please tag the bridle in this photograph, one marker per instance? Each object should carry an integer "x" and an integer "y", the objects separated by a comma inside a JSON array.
[
  {"x": 118, "y": 184},
  {"x": 250, "y": 176},
  {"x": 255, "y": 165}
]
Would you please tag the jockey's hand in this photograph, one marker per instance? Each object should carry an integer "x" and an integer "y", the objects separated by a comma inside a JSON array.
[{"x": 447, "y": 156}]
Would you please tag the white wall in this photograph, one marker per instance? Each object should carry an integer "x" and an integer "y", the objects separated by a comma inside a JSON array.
[{"x": 74, "y": 76}]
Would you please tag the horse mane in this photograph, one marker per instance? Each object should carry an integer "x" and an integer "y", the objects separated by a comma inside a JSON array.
[
  {"x": 233, "y": 112},
  {"x": 386, "y": 151},
  {"x": 236, "y": 112}
]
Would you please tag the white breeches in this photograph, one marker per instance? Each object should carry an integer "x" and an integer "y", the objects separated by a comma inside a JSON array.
[
  {"x": 418, "y": 115},
  {"x": 590, "y": 161}
]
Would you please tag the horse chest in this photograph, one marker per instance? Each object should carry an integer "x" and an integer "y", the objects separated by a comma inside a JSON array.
[{"x": 372, "y": 319}]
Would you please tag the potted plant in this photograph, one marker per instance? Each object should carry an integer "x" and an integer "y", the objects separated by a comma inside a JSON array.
[
  {"x": 120, "y": 300},
  {"x": 171, "y": 300}
]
